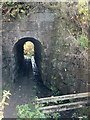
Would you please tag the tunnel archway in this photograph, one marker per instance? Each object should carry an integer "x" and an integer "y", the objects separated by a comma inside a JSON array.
[{"x": 19, "y": 54}]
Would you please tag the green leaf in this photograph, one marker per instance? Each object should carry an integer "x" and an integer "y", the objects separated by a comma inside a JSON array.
[{"x": 22, "y": 11}]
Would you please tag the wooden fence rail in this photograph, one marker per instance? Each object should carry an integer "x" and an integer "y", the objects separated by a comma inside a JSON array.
[{"x": 82, "y": 100}]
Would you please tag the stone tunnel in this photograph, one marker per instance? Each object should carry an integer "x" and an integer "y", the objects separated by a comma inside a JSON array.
[
  {"x": 36, "y": 28},
  {"x": 56, "y": 67}
]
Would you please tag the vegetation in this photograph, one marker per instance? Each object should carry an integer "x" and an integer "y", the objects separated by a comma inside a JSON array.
[
  {"x": 55, "y": 91},
  {"x": 6, "y": 95},
  {"x": 73, "y": 17},
  {"x": 24, "y": 111},
  {"x": 29, "y": 49},
  {"x": 83, "y": 41},
  {"x": 13, "y": 10}
]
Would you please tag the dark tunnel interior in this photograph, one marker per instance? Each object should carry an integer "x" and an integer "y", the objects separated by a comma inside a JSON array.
[{"x": 19, "y": 54}]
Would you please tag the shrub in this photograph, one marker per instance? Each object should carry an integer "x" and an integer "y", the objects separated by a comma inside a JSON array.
[{"x": 24, "y": 111}]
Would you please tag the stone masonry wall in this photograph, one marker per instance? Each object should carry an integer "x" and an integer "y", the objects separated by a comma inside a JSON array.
[
  {"x": 38, "y": 26},
  {"x": 62, "y": 60}
]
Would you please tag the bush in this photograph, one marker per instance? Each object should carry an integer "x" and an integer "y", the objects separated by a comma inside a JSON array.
[{"x": 24, "y": 111}]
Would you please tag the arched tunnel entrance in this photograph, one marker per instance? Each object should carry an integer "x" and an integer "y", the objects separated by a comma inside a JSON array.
[
  {"x": 27, "y": 85},
  {"x": 26, "y": 64}
]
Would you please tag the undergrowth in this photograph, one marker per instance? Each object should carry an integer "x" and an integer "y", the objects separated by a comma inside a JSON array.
[{"x": 24, "y": 111}]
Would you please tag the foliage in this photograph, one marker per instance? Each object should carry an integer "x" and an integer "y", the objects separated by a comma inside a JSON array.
[
  {"x": 15, "y": 9},
  {"x": 55, "y": 91},
  {"x": 29, "y": 49},
  {"x": 83, "y": 41},
  {"x": 75, "y": 17},
  {"x": 80, "y": 12},
  {"x": 77, "y": 13},
  {"x": 6, "y": 95},
  {"x": 83, "y": 11},
  {"x": 24, "y": 111}
]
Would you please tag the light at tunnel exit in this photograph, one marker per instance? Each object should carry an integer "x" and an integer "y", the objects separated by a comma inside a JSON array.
[{"x": 28, "y": 49}]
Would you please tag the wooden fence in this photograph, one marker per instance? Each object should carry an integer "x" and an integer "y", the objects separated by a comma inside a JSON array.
[{"x": 63, "y": 103}]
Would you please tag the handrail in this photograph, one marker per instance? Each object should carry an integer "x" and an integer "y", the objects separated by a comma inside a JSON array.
[
  {"x": 63, "y": 97},
  {"x": 81, "y": 101},
  {"x": 63, "y": 107}
]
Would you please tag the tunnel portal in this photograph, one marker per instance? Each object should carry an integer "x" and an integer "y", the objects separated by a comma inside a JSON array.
[{"x": 22, "y": 64}]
